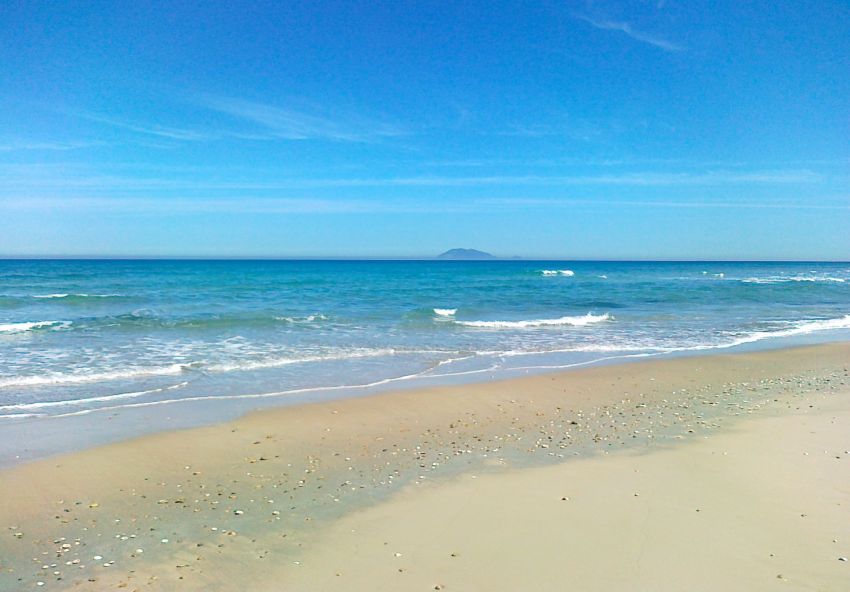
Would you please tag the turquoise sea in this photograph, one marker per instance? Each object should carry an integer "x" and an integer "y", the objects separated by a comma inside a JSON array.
[{"x": 95, "y": 337}]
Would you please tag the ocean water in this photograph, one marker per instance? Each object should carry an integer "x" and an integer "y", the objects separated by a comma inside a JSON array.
[{"x": 88, "y": 337}]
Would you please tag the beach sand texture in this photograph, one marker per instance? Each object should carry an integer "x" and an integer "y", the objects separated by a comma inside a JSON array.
[{"x": 688, "y": 474}]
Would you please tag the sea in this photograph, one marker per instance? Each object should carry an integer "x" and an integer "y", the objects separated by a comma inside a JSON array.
[{"x": 198, "y": 340}]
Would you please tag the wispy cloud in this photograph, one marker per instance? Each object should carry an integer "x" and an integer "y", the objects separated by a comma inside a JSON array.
[
  {"x": 26, "y": 145},
  {"x": 577, "y": 131},
  {"x": 276, "y": 122},
  {"x": 161, "y": 131},
  {"x": 310, "y": 205},
  {"x": 689, "y": 204},
  {"x": 251, "y": 205},
  {"x": 185, "y": 205},
  {"x": 631, "y": 179},
  {"x": 250, "y": 120},
  {"x": 626, "y": 28},
  {"x": 641, "y": 179},
  {"x": 596, "y": 162}
]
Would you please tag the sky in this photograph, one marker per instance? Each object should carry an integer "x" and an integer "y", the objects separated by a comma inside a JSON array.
[{"x": 576, "y": 130}]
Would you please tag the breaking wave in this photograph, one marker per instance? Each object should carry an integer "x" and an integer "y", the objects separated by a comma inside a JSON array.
[
  {"x": 579, "y": 321},
  {"x": 33, "y": 326},
  {"x": 783, "y": 280}
]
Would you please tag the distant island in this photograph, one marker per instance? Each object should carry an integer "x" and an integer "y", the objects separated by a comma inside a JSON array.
[{"x": 465, "y": 254}]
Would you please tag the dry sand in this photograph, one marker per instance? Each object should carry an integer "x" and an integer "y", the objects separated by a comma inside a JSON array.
[
  {"x": 764, "y": 506},
  {"x": 689, "y": 474}
]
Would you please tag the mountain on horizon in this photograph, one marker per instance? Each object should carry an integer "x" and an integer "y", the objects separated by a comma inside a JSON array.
[{"x": 465, "y": 254}]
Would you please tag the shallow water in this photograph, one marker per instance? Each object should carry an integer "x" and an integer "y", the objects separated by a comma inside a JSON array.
[{"x": 78, "y": 337}]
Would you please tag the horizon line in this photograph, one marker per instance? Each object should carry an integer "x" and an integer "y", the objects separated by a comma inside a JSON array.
[{"x": 497, "y": 259}]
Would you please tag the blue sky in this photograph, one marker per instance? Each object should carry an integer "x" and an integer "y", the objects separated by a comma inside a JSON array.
[{"x": 662, "y": 129}]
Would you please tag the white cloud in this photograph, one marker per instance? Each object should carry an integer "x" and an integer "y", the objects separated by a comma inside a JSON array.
[
  {"x": 274, "y": 122},
  {"x": 25, "y": 145},
  {"x": 282, "y": 205},
  {"x": 259, "y": 121},
  {"x": 624, "y": 27},
  {"x": 17, "y": 179},
  {"x": 161, "y": 131},
  {"x": 696, "y": 204}
]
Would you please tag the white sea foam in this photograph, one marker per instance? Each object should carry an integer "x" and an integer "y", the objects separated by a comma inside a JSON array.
[
  {"x": 586, "y": 348},
  {"x": 788, "y": 329},
  {"x": 783, "y": 279},
  {"x": 63, "y": 295},
  {"x": 564, "y": 272},
  {"x": 275, "y": 362},
  {"x": 224, "y": 367},
  {"x": 308, "y": 319},
  {"x": 88, "y": 400},
  {"x": 445, "y": 312},
  {"x": 24, "y": 327},
  {"x": 579, "y": 321},
  {"x": 83, "y": 377},
  {"x": 275, "y": 394},
  {"x": 795, "y": 328},
  {"x": 584, "y": 363},
  {"x": 368, "y": 385},
  {"x": 448, "y": 361},
  {"x": 803, "y": 327}
]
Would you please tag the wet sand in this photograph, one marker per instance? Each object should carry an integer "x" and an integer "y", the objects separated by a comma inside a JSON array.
[{"x": 692, "y": 473}]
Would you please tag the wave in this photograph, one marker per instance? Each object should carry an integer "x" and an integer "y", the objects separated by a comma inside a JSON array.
[
  {"x": 32, "y": 326},
  {"x": 218, "y": 368},
  {"x": 782, "y": 280},
  {"x": 86, "y": 400},
  {"x": 260, "y": 364},
  {"x": 564, "y": 272},
  {"x": 367, "y": 385},
  {"x": 75, "y": 296},
  {"x": 796, "y": 328},
  {"x": 312, "y": 389},
  {"x": 445, "y": 312},
  {"x": 143, "y": 319},
  {"x": 80, "y": 377},
  {"x": 793, "y": 328},
  {"x": 802, "y": 327},
  {"x": 308, "y": 319},
  {"x": 579, "y": 321}
]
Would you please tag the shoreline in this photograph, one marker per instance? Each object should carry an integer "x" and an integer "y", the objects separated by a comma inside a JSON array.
[
  {"x": 92, "y": 428},
  {"x": 212, "y": 492}
]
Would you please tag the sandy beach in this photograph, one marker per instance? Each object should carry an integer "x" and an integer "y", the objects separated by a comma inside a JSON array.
[
  {"x": 685, "y": 474},
  {"x": 457, "y": 296}
]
